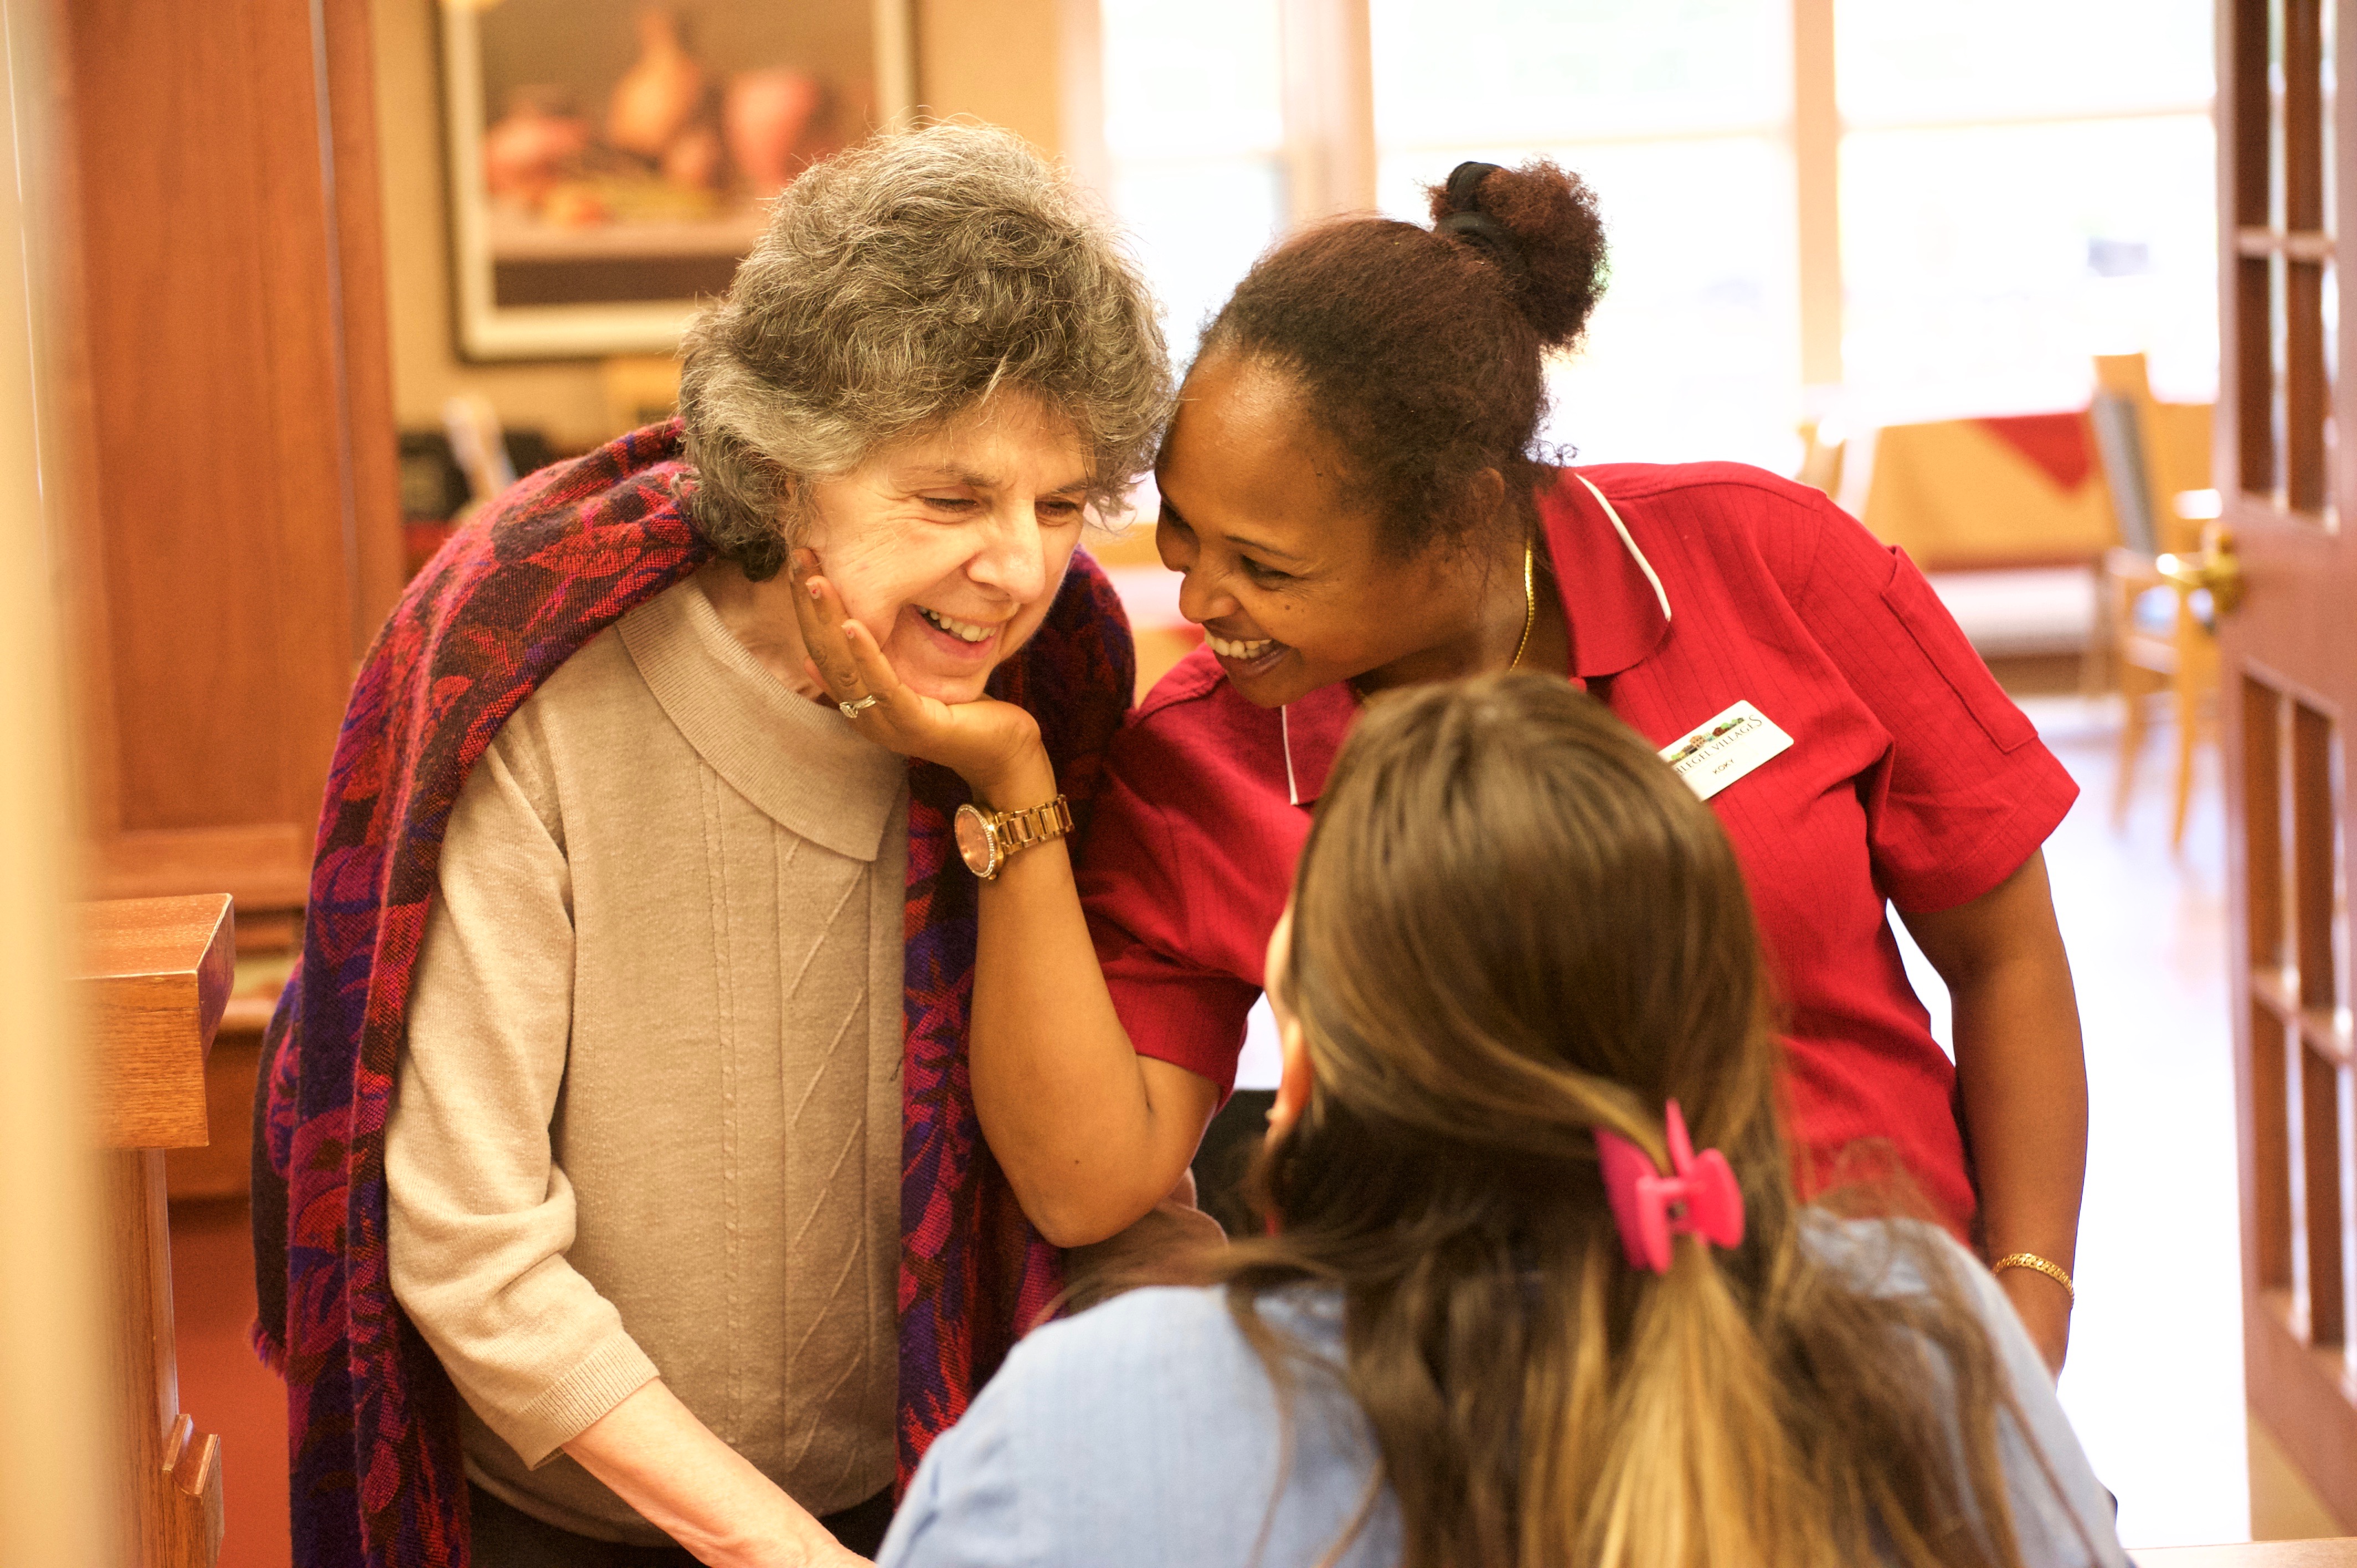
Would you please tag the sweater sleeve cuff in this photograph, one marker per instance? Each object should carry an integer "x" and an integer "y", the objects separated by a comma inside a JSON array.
[{"x": 609, "y": 1374}]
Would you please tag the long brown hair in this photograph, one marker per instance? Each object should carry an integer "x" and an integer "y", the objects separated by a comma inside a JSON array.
[{"x": 1514, "y": 925}]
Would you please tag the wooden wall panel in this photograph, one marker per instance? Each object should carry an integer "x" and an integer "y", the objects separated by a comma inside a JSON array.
[
  {"x": 244, "y": 537},
  {"x": 373, "y": 447}
]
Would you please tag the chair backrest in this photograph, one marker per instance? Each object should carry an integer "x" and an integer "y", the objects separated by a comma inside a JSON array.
[
  {"x": 1821, "y": 455},
  {"x": 2120, "y": 443}
]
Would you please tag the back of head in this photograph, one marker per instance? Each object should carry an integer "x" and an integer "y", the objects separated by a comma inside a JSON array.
[
  {"x": 898, "y": 284},
  {"x": 1421, "y": 349},
  {"x": 1514, "y": 924},
  {"x": 1514, "y": 927}
]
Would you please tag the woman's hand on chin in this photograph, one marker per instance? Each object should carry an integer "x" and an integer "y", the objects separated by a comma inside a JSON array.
[{"x": 993, "y": 745}]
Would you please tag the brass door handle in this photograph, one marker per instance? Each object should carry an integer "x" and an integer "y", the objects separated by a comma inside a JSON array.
[{"x": 2216, "y": 567}]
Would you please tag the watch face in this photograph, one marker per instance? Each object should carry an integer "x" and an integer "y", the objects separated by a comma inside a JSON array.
[{"x": 973, "y": 841}]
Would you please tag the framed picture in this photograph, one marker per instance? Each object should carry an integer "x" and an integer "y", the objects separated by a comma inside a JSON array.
[{"x": 612, "y": 160}]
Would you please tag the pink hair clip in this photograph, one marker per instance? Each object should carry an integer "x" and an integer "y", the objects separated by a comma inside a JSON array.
[{"x": 1698, "y": 1198}]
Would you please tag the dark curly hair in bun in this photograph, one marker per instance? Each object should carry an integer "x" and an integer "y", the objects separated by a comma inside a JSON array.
[{"x": 1419, "y": 349}]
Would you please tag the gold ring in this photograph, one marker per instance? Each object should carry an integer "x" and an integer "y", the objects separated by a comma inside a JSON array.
[{"x": 853, "y": 710}]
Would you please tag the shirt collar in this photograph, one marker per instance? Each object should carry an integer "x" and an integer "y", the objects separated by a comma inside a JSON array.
[
  {"x": 1621, "y": 617},
  {"x": 800, "y": 764},
  {"x": 1313, "y": 727}
]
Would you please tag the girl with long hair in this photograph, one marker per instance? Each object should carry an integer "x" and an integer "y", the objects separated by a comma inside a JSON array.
[{"x": 1507, "y": 1314}]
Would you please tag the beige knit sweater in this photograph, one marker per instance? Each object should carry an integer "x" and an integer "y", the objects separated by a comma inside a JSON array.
[{"x": 647, "y": 1119}]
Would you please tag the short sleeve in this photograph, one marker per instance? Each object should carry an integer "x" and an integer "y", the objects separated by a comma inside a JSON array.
[
  {"x": 1967, "y": 792},
  {"x": 1172, "y": 1012},
  {"x": 1171, "y": 908}
]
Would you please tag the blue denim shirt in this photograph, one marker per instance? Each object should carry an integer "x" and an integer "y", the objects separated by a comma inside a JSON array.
[{"x": 1146, "y": 1434}]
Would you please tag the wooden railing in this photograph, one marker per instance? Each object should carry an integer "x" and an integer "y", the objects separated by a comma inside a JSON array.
[{"x": 155, "y": 976}]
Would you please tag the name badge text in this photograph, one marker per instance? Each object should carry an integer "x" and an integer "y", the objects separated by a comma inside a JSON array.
[{"x": 1722, "y": 751}]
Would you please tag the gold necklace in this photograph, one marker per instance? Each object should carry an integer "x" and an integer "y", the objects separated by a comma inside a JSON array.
[
  {"x": 1529, "y": 615},
  {"x": 1530, "y": 604}
]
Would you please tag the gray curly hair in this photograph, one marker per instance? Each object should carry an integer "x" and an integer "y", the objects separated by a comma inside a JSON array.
[{"x": 899, "y": 284}]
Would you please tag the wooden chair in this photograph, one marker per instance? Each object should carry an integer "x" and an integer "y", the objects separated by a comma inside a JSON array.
[
  {"x": 2157, "y": 631},
  {"x": 1820, "y": 456},
  {"x": 156, "y": 977},
  {"x": 1823, "y": 444}
]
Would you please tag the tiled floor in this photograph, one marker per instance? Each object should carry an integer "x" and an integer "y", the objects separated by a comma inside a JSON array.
[{"x": 2155, "y": 1378}]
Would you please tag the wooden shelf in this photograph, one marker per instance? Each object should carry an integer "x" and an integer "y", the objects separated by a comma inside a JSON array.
[
  {"x": 156, "y": 978},
  {"x": 154, "y": 975}
]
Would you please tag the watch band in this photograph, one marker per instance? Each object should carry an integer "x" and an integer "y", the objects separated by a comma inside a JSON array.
[{"x": 1033, "y": 825}]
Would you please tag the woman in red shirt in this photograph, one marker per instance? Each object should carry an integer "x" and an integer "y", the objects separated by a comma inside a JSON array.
[{"x": 1351, "y": 492}]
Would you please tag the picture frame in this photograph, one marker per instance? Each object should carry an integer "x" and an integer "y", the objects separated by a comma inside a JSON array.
[{"x": 610, "y": 161}]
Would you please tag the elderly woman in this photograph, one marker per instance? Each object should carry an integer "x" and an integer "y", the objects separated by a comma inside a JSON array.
[{"x": 596, "y": 1102}]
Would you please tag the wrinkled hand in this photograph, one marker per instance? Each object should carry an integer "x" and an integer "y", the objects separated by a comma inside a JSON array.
[
  {"x": 780, "y": 1534},
  {"x": 988, "y": 743},
  {"x": 812, "y": 1548},
  {"x": 823, "y": 1551}
]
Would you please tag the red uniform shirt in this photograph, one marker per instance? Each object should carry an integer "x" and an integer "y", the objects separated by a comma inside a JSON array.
[{"x": 1911, "y": 777}]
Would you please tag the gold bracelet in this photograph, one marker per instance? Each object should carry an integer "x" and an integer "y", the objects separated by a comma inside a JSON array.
[{"x": 2032, "y": 1261}]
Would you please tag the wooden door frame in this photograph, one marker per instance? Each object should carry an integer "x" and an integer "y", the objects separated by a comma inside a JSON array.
[{"x": 2305, "y": 1392}]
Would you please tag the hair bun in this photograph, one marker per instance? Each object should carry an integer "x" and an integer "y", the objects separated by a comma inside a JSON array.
[{"x": 1538, "y": 226}]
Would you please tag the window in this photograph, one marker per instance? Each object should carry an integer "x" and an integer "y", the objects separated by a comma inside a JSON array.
[
  {"x": 2009, "y": 210},
  {"x": 1676, "y": 114},
  {"x": 2020, "y": 184},
  {"x": 1195, "y": 136}
]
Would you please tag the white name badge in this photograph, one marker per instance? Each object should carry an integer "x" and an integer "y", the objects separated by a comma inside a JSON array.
[{"x": 1725, "y": 748}]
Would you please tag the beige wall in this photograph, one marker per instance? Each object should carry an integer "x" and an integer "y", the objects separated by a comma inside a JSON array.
[
  {"x": 1028, "y": 65},
  {"x": 566, "y": 398}
]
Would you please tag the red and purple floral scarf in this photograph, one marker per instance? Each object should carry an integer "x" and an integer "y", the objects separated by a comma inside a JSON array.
[{"x": 372, "y": 1420}]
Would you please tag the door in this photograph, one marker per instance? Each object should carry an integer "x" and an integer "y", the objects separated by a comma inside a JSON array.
[
  {"x": 2288, "y": 160},
  {"x": 235, "y": 535}
]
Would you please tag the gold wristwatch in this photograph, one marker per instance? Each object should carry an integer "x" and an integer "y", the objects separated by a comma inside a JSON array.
[{"x": 986, "y": 842}]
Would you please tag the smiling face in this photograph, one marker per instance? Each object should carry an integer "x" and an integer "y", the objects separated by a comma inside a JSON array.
[
  {"x": 949, "y": 546},
  {"x": 1286, "y": 572}
]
